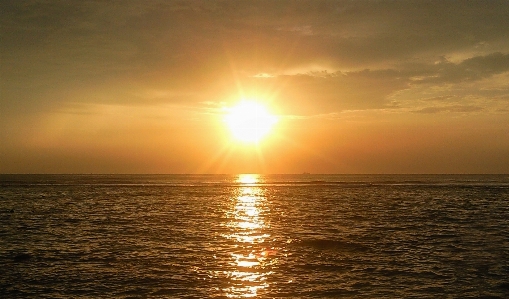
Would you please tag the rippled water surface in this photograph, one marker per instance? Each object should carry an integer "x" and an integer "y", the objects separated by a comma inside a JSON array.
[{"x": 294, "y": 236}]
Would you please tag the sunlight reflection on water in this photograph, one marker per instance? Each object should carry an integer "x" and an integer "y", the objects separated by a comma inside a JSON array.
[
  {"x": 248, "y": 179},
  {"x": 252, "y": 259}
]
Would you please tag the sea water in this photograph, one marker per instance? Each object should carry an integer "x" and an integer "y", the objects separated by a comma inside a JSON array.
[{"x": 262, "y": 236}]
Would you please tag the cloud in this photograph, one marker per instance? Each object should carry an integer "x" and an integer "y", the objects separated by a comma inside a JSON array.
[
  {"x": 454, "y": 109},
  {"x": 474, "y": 68},
  {"x": 348, "y": 54}
]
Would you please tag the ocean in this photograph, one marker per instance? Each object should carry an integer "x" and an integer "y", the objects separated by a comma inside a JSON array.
[{"x": 261, "y": 236}]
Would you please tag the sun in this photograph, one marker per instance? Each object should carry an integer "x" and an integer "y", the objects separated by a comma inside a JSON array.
[{"x": 249, "y": 121}]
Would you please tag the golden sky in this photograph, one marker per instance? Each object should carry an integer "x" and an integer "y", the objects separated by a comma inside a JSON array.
[{"x": 357, "y": 86}]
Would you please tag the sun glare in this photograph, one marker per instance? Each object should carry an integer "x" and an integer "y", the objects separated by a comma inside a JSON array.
[
  {"x": 248, "y": 179},
  {"x": 249, "y": 121}
]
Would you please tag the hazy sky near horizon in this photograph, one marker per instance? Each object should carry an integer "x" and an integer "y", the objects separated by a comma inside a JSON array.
[{"x": 359, "y": 86}]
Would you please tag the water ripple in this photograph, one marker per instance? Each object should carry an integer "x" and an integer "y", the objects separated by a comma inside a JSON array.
[{"x": 250, "y": 238}]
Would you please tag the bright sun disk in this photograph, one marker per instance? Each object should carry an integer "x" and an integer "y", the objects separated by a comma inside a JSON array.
[{"x": 249, "y": 121}]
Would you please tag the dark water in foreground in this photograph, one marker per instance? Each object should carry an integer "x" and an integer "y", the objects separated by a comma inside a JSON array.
[{"x": 293, "y": 236}]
